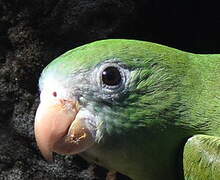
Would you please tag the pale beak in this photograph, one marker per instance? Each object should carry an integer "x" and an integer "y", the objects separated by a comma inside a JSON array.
[{"x": 59, "y": 128}]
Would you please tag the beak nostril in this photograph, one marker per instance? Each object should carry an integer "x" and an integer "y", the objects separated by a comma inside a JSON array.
[{"x": 55, "y": 94}]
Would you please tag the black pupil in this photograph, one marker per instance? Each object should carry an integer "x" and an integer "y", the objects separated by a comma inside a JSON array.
[{"x": 111, "y": 76}]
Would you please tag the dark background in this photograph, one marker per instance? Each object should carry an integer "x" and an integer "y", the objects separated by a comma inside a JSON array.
[{"x": 34, "y": 32}]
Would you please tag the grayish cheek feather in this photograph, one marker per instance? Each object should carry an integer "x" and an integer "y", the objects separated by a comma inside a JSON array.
[{"x": 96, "y": 122}]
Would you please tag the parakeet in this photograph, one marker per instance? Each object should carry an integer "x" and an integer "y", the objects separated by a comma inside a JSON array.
[{"x": 146, "y": 110}]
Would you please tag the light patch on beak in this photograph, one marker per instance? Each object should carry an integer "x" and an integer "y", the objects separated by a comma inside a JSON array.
[{"x": 62, "y": 128}]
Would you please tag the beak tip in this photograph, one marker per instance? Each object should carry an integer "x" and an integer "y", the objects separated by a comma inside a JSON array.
[{"x": 48, "y": 157}]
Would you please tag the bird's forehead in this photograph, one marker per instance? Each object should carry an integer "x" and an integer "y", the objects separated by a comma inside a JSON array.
[{"x": 88, "y": 56}]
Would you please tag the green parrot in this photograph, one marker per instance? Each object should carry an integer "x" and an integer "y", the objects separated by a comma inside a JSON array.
[{"x": 145, "y": 110}]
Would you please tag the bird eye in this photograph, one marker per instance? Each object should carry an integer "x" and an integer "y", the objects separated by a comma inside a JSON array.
[{"x": 111, "y": 76}]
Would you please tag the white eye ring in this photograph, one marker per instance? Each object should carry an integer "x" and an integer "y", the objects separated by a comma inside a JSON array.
[{"x": 114, "y": 87}]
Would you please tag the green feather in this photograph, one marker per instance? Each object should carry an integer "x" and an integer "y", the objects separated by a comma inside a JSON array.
[{"x": 202, "y": 158}]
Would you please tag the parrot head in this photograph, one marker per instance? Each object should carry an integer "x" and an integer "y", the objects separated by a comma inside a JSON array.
[{"x": 113, "y": 99}]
